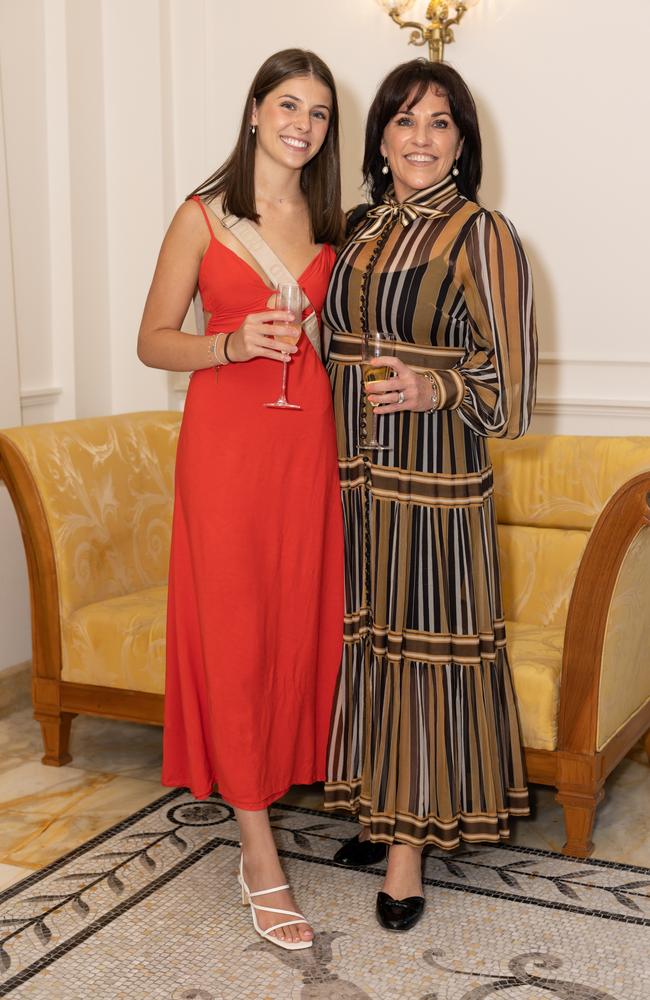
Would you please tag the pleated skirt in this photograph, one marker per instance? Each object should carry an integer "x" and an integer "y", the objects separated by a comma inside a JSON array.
[{"x": 424, "y": 743}]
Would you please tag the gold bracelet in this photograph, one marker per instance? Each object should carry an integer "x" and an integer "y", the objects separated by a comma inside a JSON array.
[
  {"x": 435, "y": 391},
  {"x": 220, "y": 340},
  {"x": 220, "y": 358},
  {"x": 212, "y": 348}
]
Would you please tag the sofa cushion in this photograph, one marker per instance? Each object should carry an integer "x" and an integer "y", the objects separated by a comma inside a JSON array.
[
  {"x": 535, "y": 655},
  {"x": 538, "y": 570},
  {"x": 118, "y": 643}
]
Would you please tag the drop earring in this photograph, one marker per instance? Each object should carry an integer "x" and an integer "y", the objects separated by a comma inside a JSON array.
[
  {"x": 385, "y": 169},
  {"x": 455, "y": 171},
  {"x": 253, "y": 129}
]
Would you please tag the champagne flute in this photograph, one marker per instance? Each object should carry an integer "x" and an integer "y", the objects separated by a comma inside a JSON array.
[
  {"x": 289, "y": 299},
  {"x": 376, "y": 345}
]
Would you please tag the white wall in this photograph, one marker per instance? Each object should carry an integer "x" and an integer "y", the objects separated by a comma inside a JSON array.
[
  {"x": 115, "y": 109},
  {"x": 15, "y": 643}
]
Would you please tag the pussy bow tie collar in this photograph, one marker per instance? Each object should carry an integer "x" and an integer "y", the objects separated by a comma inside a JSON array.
[{"x": 420, "y": 207}]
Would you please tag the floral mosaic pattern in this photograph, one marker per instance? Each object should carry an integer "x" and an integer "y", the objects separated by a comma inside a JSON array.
[{"x": 149, "y": 910}]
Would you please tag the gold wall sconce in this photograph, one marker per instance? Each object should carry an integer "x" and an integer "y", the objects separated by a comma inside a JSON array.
[{"x": 441, "y": 16}]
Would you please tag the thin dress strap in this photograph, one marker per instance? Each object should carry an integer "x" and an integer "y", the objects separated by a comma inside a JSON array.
[{"x": 198, "y": 201}]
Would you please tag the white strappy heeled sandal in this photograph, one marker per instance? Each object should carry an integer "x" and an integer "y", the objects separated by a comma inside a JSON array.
[{"x": 247, "y": 898}]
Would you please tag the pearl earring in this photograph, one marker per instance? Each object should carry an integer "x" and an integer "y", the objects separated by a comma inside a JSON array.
[
  {"x": 385, "y": 169},
  {"x": 455, "y": 171},
  {"x": 253, "y": 129}
]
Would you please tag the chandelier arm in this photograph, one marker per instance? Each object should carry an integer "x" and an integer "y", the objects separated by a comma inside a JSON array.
[
  {"x": 425, "y": 28},
  {"x": 406, "y": 24}
]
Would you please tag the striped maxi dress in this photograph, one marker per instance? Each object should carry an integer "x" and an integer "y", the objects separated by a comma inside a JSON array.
[{"x": 424, "y": 742}]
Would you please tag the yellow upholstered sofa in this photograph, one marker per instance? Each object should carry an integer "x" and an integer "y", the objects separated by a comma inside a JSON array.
[
  {"x": 574, "y": 540},
  {"x": 94, "y": 500}
]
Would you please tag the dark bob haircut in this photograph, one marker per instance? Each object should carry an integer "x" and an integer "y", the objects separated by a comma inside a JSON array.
[
  {"x": 321, "y": 177},
  {"x": 406, "y": 85}
]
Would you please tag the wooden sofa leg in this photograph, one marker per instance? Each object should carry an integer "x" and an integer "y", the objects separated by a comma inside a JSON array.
[
  {"x": 579, "y": 814},
  {"x": 646, "y": 743},
  {"x": 56, "y": 737}
]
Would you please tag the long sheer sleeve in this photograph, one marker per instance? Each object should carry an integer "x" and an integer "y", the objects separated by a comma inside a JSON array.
[{"x": 493, "y": 385}]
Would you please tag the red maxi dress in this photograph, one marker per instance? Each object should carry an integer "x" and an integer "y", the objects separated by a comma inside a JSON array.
[{"x": 255, "y": 608}]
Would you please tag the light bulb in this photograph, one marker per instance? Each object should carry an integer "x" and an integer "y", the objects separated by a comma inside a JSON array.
[
  {"x": 453, "y": 4},
  {"x": 396, "y": 6}
]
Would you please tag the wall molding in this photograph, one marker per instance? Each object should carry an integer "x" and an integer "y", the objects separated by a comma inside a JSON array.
[
  {"x": 556, "y": 359},
  {"x": 563, "y": 406},
  {"x": 46, "y": 395},
  {"x": 637, "y": 408}
]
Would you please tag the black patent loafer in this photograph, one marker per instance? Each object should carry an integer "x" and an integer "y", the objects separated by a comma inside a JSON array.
[
  {"x": 399, "y": 914},
  {"x": 357, "y": 853}
]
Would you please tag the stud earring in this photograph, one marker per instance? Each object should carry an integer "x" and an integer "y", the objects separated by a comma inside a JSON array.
[
  {"x": 385, "y": 169},
  {"x": 253, "y": 129},
  {"x": 455, "y": 171}
]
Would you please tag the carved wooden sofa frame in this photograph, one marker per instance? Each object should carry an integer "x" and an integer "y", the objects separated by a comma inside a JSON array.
[{"x": 577, "y": 768}]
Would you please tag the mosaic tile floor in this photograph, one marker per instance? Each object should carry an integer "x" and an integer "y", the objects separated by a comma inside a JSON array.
[
  {"x": 46, "y": 811},
  {"x": 149, "y": 910}
]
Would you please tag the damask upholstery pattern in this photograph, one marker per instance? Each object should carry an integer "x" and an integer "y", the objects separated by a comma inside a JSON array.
[
  {"x": 118, "y": 643},
  {"x": 535, "y": 655},
  {"x": 538, "y": 570},
  {"x": 555, "y": 481},
  {"x": 106, "y": 485}
]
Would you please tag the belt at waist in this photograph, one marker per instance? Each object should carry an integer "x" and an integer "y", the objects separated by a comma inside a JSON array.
[{"x": 346, "y": 349}]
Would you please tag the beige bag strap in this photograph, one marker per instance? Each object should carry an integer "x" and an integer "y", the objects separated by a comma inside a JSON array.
[
  {"x": 199, "y": 318},
  {"x": 271, "y": 264}
]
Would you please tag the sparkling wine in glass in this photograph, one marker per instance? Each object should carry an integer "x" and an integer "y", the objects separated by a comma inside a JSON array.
[
  {"x": 289, "y": 299},
  {"x": 376, "y": 345}
]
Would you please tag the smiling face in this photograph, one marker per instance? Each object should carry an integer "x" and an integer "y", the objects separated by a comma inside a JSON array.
[
  {"x": 421, "y": 143},
  {"x": 292, "y": 120}
]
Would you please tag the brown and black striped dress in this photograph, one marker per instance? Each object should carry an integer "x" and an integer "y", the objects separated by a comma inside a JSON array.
[{"x": 424, "y": 741}]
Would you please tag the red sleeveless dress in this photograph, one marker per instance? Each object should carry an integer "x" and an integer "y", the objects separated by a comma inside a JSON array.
[{"x": 255, "y": 609}]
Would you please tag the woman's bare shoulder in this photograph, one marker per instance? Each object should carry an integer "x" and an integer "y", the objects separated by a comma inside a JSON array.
[{"x": 188, "y": 227}]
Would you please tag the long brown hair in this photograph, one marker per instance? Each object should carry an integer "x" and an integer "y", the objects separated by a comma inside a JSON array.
[
  {"x": 320, "y": 179},
  {"x": 415, "y": 78}
]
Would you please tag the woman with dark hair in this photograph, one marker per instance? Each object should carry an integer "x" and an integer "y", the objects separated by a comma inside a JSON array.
[
  {"x": 425, "y": 745},
  {"x": 256, "y": 567}
]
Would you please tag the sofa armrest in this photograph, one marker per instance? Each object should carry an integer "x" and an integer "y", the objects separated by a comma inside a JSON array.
[
  {"x": 625, "y": 515},
  {"x": 41, "y": 565}
]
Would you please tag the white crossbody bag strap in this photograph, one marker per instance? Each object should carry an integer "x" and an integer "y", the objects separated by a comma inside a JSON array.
[{"x": 275, "y": 270}]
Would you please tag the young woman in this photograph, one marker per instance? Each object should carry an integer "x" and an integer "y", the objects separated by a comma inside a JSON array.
[{"x": 256, "y": 569}]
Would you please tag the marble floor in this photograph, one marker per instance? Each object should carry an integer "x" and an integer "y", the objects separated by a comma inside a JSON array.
[{"x": 46, "y": 812}]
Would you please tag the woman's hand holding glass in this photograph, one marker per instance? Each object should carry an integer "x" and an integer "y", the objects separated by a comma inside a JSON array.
[
  {"x": 289, "y": 298},
  {"x": 257, "y": 337},
  {"x": 406, "y": 390}
]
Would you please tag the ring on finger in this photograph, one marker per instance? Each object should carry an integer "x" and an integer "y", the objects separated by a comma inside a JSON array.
[{"x": 400, "y": 398}]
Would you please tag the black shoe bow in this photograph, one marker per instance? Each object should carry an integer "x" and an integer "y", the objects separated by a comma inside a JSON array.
[{"x": 399, "y": 914}]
